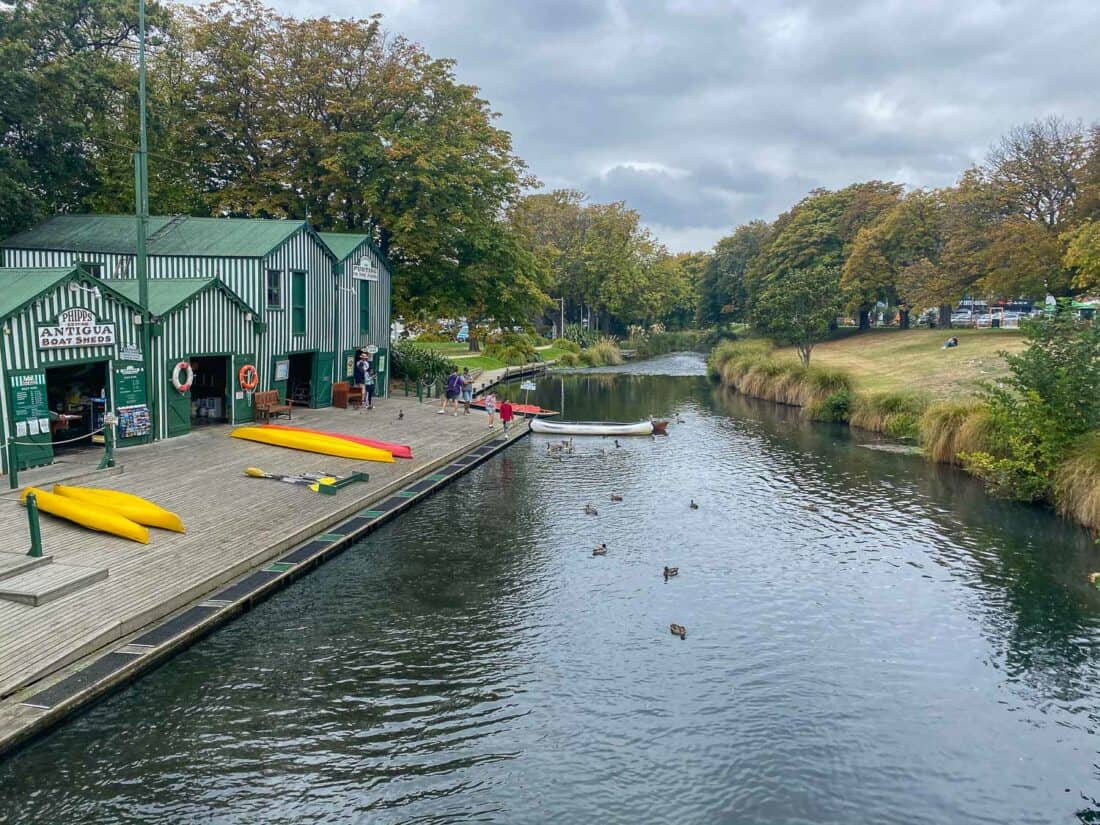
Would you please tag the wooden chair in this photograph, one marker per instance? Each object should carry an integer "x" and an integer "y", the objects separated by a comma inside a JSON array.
[{"x": 268, "y": 405}]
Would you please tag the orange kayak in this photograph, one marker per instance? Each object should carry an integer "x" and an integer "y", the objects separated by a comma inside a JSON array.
[
  {"x": 397, "y": 450},
  {"x": 518, "y": 409}
]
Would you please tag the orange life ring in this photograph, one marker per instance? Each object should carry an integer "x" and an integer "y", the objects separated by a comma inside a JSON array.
[
  {"x": 178, "y": 380},
  {"x": 249, "y": 377}
]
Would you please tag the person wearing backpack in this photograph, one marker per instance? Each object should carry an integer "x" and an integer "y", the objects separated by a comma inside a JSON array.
[{"x": 453, "y": 390}]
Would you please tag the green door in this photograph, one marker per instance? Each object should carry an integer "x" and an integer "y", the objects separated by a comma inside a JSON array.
[
  {"x": 280, "y": 364},
  {"x": 30, "y": 419},
  {"x": 241, "y": 399},
  {"x": 321, "y": 389},
  {"x": 178, "y": 406},
  {"x": 380, "y": 364}
]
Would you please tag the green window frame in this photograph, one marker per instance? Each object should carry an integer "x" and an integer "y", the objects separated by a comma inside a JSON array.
[
  {"x": 93, "y": 268},
  {"x": 298, "y": 302},
  {"x": 364, "y": 307}
]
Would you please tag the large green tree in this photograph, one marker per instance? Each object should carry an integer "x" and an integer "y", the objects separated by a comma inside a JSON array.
[
  {"x": 800, "y": 308},
  {"x": 723, "y": 287}
]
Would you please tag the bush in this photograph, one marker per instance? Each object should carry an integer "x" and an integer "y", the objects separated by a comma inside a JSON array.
[
  {"x": 953, "y": 427},
  {"x": 429, "y": 337},
  {"x": 569, "y": 359},
  {"x": 566, "y": 345},
  {"x": 580, "y": 336},
  {"x": 603, "y": 354},
  {"x": 418, "y": 364},
  {"x": 513, "y": 348},
  {"x": 897, "y": 414},
  {"x": 833, "y": 408}
]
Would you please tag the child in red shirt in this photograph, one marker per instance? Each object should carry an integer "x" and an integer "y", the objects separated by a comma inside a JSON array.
[{"x": 506, "y": 414}]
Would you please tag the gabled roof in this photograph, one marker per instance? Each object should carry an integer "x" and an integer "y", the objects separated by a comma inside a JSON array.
[
  {"x": 343, "y": 244},
  {"x": 22, "y": 286},
  {"x": 169, "y": 294},
  {"x": 179, "y": 235}
]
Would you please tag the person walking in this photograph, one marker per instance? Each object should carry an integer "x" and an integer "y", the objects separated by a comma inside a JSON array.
[
  {"x": 467, "y": 389},
  {"x": 491, "y": 407},
  {"x": 368, "y": 387},
  {"x": 452, "y": 391},
  {"x": 506, "y": 414}
]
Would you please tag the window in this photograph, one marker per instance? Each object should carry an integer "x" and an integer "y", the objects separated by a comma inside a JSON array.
[
  {"x": 274, "y": 289},
  {"x": 298, "y": 303},
  {"x": 92, "y": 268},
  {"x": 364, "y": 308}
]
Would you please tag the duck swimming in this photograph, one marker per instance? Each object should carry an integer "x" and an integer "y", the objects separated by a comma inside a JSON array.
[
  {"x": 670, "y": 572},
  {"x": 600, "y": 550},
  {"x": 616, "y": 497},
  {"x": 678, "y": 630},
  {"x": 693, "y": 505},
  {"x": 589, "y": 510}
]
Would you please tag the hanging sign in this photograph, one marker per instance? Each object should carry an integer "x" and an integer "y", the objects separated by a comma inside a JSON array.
[
  {"x": 364, "y": 270},
  {"x": 76, "y": 328},
  {"x": 527, "y": 385},
  {"x": 129, "y": 352},
  {"x": 370, "y": 349}
]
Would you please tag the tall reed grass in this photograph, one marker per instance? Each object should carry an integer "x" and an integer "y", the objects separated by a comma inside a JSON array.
[
  {"x": 1077, "y": 482},
  {"x": 948, "y": 428},
  {"x": 604, "y": 353},
  {"x": 897, "y": 414}
]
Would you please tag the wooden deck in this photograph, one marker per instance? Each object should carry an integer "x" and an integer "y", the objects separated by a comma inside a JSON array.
[{"x": 234, "y": 523}]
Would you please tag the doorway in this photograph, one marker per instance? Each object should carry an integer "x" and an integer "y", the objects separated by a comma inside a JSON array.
[
  {"x": 210, "y": 389},
  {"x": 300, "y": 379},
  {"x": 77, "y": 397}
]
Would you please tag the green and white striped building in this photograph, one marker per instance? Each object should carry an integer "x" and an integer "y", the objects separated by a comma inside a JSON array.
[{"x": 225, "y": 292}]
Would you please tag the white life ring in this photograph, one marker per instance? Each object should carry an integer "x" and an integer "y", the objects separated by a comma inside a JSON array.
[{"x": 179, "y": 381}]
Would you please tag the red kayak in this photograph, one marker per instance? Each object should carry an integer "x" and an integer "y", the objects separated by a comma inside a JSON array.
[
  {"x": 518, "y": 409},
  {"x": 397, "y": 450}
]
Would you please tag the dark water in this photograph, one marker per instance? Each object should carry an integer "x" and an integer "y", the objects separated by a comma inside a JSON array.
[{"x": 870, "y": 640}]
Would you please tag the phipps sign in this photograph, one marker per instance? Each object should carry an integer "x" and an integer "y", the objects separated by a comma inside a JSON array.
[{"x": 76, "y": 328}]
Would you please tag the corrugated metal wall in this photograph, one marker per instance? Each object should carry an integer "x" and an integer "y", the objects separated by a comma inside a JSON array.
[
  {"x": 210, "y": 324},
  {"x": 302, "y": 251},
  {"x": 349, "y": 305}
]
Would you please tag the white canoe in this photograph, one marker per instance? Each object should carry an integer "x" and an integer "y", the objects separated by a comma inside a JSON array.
[{"x": 539, "y": 425}]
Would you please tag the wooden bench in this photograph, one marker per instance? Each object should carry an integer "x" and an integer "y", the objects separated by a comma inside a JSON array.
[
  {"x": 269, "y": 405},
  {"x": 345, "y": 395}
]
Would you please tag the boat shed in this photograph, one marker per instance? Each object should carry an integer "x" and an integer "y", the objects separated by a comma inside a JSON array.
[
  {"x": 202, "y": 323},
  {"x": 364, "y": 281},
  {"x": 279, "y": 267},
  {"x": 69, "y": 353}
]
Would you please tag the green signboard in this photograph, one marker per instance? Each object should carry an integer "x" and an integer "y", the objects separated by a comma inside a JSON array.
[
  {"x": 130, "y": 405},
  {"x": 30, "y": 419}
]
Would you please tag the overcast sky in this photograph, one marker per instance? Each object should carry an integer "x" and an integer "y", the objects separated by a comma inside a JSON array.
[{"x": 703, "y": 114}]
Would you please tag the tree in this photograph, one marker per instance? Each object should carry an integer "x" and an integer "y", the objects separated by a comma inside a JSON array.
[
  {"x": 723, "y": 287},
  {"x": 800, "y": 308},
  {"x": 1083, "y": 255}
]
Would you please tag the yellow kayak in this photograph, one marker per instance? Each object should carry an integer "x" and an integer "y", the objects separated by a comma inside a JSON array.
[
  {"x": 92, "y": 516},
  {"x": 313, "y": 443},
  {"x": 133, "y": 507}
]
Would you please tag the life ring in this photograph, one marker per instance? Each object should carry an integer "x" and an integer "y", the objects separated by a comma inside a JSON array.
[
  {"x": 249, "y": 377},
  {"x": 182, "y": 369}
]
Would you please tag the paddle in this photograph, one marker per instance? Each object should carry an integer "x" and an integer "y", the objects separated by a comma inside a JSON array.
[{"x": 311, "y": 480}]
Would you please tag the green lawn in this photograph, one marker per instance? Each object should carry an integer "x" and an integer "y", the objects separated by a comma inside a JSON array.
[{"x": 914, "y": 359}]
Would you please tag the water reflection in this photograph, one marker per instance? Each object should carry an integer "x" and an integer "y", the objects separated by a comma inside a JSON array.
[{"x": 870, "y": 639}]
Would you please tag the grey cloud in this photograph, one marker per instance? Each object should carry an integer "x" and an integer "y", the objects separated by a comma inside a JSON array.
[{"x": 752, "y": 104}]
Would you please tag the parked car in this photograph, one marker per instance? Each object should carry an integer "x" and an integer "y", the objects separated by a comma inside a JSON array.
[
  {"x": 962, "y": 317},
  {"x": 463, "y": 333}
]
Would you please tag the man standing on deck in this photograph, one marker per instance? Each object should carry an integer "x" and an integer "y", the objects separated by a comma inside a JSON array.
[{"x": 453, "y": 390}]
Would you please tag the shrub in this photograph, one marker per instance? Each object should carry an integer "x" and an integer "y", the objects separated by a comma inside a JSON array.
[
  {"x": 565, "y": 344},
  {"x": 897, "y": 414},
  {"x": 953, "y": 427},
  {"x": 431, "y": 337},
  {"x": 603, "y": 354},
  {"x": 568, "y": 359},
  {"x": 513, "y": 348},
  {"x": 833, "y": 408},
  {"x": 580, "y": 336},
  {"x": 418, "y": 364},
  {"x": 1077, "y": 482}
]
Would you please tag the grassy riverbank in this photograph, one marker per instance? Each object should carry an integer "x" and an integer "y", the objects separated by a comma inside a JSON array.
[{"x": 895, "y": 383}]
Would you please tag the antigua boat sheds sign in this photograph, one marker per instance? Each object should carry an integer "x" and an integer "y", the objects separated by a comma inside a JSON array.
[{"x": 76, "y": 328}]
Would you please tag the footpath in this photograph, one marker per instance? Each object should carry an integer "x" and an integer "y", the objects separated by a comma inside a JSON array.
[{"x": 133, "y": 605}]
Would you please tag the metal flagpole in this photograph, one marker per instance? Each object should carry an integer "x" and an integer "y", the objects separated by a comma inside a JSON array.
[{"x": 141, "y": 202}]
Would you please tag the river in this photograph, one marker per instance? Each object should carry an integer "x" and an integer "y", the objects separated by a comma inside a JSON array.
[{"x": 869, "y": 639}]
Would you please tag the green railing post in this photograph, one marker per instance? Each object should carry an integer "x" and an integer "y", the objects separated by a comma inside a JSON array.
[
  {"x": 108, "y": 459},
  {"x": 36, "y": 531},
  {"x": 13, "y": 466},
  {"x": 419, "y": 390}
]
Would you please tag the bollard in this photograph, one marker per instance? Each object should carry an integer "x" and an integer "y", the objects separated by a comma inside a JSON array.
[
  {"x": 419, "y": 390},
  {"x": 108, "y": 459},
  {"x": 13, "y": 467},
  {"x": 36, "y": 531}
]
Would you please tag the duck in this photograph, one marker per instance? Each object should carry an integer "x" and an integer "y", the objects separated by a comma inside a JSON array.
[
  {"x": 693, "y": 505},
  {"x": 811, "y": 507},
  {"x": 670, "y": 572},
  {"x": 589, "y": 510},
  {"x": 600, "y": 550},
  {"x": 617, "y": 444},
  {"x": 616, "y": 497},
  {"x": 400, "y": 414},
  {"x": 679, "y": 420},
  {"x": 678, "y": 630}
]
